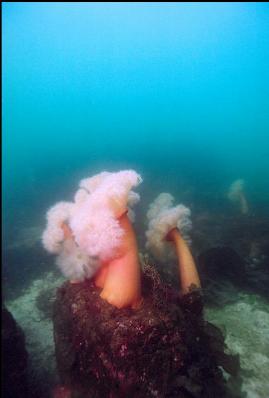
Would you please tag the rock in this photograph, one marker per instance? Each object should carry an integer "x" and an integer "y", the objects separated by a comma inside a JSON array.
[
  {"x": 221, "y": 266},
  {"x": 161, "y": 350},
  {"x": 14, "y": 358},
  {"x": 222, "y": 263}
]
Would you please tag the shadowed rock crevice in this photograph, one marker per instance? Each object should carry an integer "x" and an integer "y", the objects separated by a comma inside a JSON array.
[{"x": 14, "y": 359}]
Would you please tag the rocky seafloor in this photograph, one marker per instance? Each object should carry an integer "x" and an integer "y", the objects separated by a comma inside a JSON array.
[{"x": 236, "y": 297}]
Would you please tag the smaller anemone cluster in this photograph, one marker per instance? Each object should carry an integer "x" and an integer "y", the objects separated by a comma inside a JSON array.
[
  {"x": 236, "y": 194},
  {"x": 86, "y": 233},
  {"x": 163, "y": 217},
  {"x": 235, "y": 189}
]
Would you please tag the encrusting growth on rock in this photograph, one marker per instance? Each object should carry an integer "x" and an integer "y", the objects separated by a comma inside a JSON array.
[{"x": 163, "y": 349}]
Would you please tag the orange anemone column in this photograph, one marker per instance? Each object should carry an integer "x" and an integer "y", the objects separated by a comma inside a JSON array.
[
  {"x": 122, "y": 287},
  {"x": 187, "y": 269}
]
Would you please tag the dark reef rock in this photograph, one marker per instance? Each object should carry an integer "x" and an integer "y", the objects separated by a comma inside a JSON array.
[
  {"x": 222, "y": 263},
  {"x": 44, "y": 302},
  {"x": 164, "y": 349},
  {"x": 14, "y": 359}
]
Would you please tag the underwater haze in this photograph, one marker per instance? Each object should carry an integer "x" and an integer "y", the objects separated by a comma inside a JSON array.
[{"x": 178, "y": 92}]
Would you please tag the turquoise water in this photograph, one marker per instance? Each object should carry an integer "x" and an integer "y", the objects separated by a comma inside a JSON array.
[{"x": 177, "y": 91}]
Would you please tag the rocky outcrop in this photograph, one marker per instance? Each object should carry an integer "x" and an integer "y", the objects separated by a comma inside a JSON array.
[
  {"x": 14, "y": 359},
  {"x": 164, "y": 349}
]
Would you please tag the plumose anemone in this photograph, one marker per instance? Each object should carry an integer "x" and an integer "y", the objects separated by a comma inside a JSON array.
[
  {"x": 236, "y": 194},
  {"x": 58, "y": 239},
  {"x": 53, "y": 236},
  {"x": 94, "y": 238},
  {"x": 162, "y": 218},
  {"x": 168, "y": 225},
  {"x": 119, "y": 331}
]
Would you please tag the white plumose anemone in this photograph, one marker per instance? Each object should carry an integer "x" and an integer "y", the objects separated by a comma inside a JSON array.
[
  {"x": 162, "y": 202},
  {"x": 236, "y": 194},
  {"x": 71, "y": 260},
  {"x": 94, "y": 221},
  {"x": 80, "y": 196},
  {"x": 95, "y": 232},
  {"x": 53, "y": 235},
  {"x": 235, "y": 189},
  {"x": 74, "y": 263},
  {"x": 162, "y": 219},
  {"x": 92, "y": 183}
]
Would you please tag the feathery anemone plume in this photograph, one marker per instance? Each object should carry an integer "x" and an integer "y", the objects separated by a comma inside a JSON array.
[
  {"x": 53, "y": 236},
  {"x": 94, "y": 218},
  {"x": 93, "y": 236},
  {"x": 168, "y": 234},
  {"x": 74, "y": 263},
  {"x": 163, "y": 218},
  {"x": 57, "y": 239}
]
